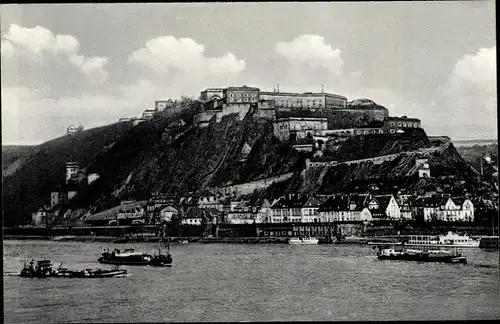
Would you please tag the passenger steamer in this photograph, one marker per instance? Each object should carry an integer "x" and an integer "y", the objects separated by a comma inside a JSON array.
[{"x": 449, "y": 240}]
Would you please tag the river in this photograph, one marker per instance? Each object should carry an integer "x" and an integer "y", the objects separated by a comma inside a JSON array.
[{"x": 230, "y": 282}]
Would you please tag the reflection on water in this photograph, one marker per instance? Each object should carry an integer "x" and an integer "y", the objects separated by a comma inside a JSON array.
[{"x": 229, "y": 282}]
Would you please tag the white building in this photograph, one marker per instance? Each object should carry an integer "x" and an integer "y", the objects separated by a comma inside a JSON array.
[
  {"x": 305, "y": 100},
  {"x": 449, "y": 209},
  {"x": 384, "y": 206},
  {"x": 72, "y": 169},
  {"x": 352, "y": 208},
  {"x": 167, "y": 213}
]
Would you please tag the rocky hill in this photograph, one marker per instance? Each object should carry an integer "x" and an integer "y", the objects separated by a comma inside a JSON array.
[{"x": 134, "y": 162}]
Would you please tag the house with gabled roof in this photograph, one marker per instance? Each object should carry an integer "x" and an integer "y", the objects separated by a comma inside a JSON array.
[
  {"x": 296, "y": 208},
  {"x": 384, "y": 207},
  {"x": 344, "y": 208}
]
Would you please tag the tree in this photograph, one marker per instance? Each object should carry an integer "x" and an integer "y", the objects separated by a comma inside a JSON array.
[{"x": 80, "y": 128}]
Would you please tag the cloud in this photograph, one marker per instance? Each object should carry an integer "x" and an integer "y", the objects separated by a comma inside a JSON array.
[
  {"x": 469, "y": 96},
  {"x": 312, "y": 50},
  {"x": 29, "y": 115},
  {"x": 168, "y": 54},
  {"x": 37, "y": 43}
]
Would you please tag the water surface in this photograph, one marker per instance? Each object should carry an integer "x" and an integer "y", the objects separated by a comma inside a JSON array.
[{"x": 231, "y": 282}]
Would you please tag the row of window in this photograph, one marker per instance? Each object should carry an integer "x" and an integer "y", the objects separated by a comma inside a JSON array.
[
  {"x": 245, "y": 100},
  {"x": 404, "y": 124},
  {"x": 238, "y": 95}
]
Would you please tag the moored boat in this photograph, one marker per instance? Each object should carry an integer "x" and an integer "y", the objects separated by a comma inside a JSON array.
[
  {"x": 445, "y": 256},
  {"x": 44, "y": 269},
  {"x": 303, "y": 241},
  {"x": 448, "y": 240}
]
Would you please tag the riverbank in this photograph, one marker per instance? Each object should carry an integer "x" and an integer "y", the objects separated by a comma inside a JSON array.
[{"x": 209, "y": 240}]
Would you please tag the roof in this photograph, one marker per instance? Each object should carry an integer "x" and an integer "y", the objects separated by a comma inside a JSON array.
[
  {"x": 305, "y": 94},
  {"x": 296, "y": 201},
  {"x": 458, "y": 200},
  {"x": 362, "y": 102},
  {"x": 434, "y": 201},
  {"x": 404, "y": 118},
  {"x": 335, "y": 203},
  {"x": 361, "y": 200},
  {"x": 383, "y": 201},
  {"x": 176, "y": 124},
  {"x": 244, "y": 87},
  {"x": 169, "y": 209}
]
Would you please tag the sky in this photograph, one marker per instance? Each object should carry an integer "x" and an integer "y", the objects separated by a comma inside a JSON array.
[{"x": 92, "y": 64}]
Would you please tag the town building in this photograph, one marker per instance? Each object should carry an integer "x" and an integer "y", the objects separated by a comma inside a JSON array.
[
  {"x": 392, "y": 124},
  {"x": 384, "y": 207},
  {"x": 125, "y": 120},
  {"x": 58, "y": 198},
  {"x": 294, "y": 128},
  {"x": 197, "y": 216},
  {"x": 243, "y": 94},
  {"x": 136, "y": 121},
  {"x": 211, "y": 94},
  {"x": 296, "y": 209},
  {"x": 202, "y": 199},
  {"x": 148, "y": 114},
  {"x": 39, "y": 218},
  {"x": 166, "y": 213},
  {"x": 310, "y": 100},
  {"x": 240, "y": 213},
  {"x": 72, "y": 170},
  {"x": 444, "y": 208},
  {"x": 71, "y": 130},
  {"x": 344, "y": 208},
  {"x": 404, "y": 203},
  {"x": 161, "y": 105}
]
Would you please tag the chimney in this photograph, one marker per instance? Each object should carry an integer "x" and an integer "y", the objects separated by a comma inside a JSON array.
[
  {"x": 278, "y": 87},
  {"x": 322, "y": 90}
]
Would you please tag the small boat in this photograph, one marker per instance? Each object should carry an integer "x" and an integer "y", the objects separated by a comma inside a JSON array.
[
  {"x": 44, "y": 269},
  {"x": 303, "y": 241},
  {"x": 448, "y": 240},
  {"x": 445, "y": 256},
  {"x": 130, "y": 257}
]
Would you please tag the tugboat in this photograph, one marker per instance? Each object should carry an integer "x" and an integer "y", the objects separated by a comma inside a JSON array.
[
  {"x": 44, "y": 270},
  {"x": 445, "y": 256},
  {"x": 130, "y": 257}
]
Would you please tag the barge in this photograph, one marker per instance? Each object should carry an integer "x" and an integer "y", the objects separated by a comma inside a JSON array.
[
  {"x": 444, "y": 256},
  {"x": 130, "y": 257},
  {"x": 44, "y": 269}
]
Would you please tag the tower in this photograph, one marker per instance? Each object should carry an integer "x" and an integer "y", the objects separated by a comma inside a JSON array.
[{"x": 72, "y": 169}]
